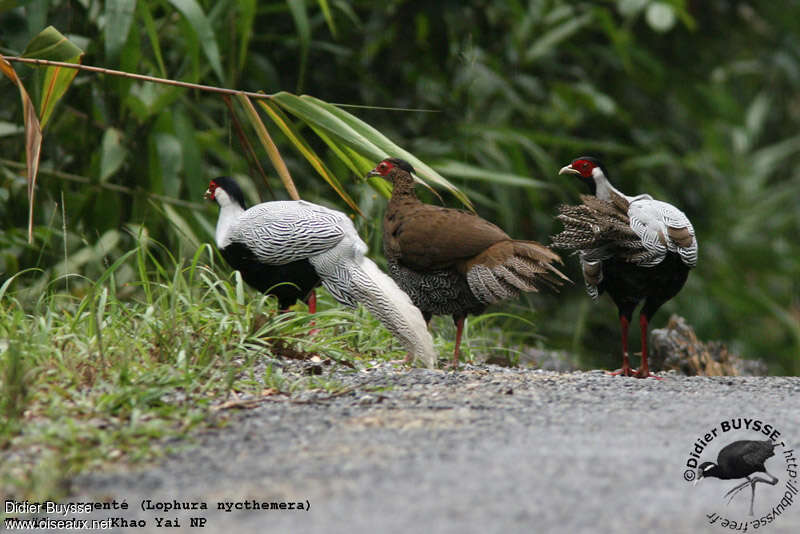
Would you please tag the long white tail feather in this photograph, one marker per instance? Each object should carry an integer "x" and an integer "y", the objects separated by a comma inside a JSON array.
[
  {"x": 393, "y": 307},
  {"x": 351, "y": 278}
]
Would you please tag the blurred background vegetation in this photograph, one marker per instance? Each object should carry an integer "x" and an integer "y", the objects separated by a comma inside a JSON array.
[{"x": 696, "y": 103}]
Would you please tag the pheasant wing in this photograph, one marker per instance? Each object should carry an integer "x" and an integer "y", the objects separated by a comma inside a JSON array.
[
  {"x": 661, "y": 227},
  {"x": 431, "y": 237},
  {"x": 286, "y": 231}
]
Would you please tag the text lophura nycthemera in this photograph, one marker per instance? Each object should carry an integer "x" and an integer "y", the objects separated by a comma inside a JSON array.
[
  {"x": 634, "y": 248},
  {"x": 741, "y": 459},
  {"x": 452, "y": 262},
  {"x": 305, "y": 244}
]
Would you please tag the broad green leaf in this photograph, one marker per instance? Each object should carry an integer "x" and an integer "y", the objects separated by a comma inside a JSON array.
[
  {"x": 302, "y": 145},
  {"x": 33, "y": 138},
  {"x": 205, "y": 33},
  {"x": 767, "y": 159},
  {"x": 326, "y": 11},
  {"x": 112, "y": 154},
  {"x": 577, "y": 144},
  {"x": 550, "y": 39},
  {"x": 119, "y": 16},
  {"x": 300, "y": 16},
  {"x": 170, "y": 157},
  {"x": 56, "y": 82},
  {"x": 180, "y": 224},
  {"x": 471, "y": 172},
  {"x": 150, "y": 27},
  {"x": 313, "y": 114},
  {"x": 349, "y": 12},
  {"x": 90, "y": 253},
  {"x": 355, "y": 162},
  {"x": 147, "y": 99},
  {"x": 193, "y": 164},
  {"x": 377, "y": 145},
  {"x": 756, "y": 115},
  {"x": 50, "y": 44},
  {"x": 36, "y": 15},
  {"x": 269, "y": 146},
  {"x": 247, "y": 15}
]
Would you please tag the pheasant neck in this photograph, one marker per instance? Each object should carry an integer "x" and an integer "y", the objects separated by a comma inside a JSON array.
[
  {"x": 228, "y": 215},
  {"x": 602, "y": 187},
  {"x": 403, "y": 186}
]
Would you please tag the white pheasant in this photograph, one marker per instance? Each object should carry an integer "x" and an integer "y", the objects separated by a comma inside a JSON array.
[
  {"x": 264, "y": 239},
  {"x": 634, "y": 247}
]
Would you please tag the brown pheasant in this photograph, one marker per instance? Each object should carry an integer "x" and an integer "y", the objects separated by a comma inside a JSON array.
[{"x": 452, "y": 262}]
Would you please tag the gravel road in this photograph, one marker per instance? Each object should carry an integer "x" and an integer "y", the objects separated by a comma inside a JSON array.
[{"x": 485, "y": 449}]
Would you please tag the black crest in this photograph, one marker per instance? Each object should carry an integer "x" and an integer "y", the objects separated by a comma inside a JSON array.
[
  {"x": 232, "y": 188},
  {"x": 403, "y": 164}
]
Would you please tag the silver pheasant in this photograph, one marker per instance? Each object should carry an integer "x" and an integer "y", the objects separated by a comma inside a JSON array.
[
  {"x": 283, "y": 232},
  {"x": 635, "y": 248}
]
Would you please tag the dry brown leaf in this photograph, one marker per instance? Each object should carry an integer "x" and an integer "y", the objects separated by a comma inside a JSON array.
[{"x": 33, "y": 138}]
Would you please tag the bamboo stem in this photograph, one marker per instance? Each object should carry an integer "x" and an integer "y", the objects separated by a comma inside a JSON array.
[
  {"x": 210, "y": 88},
  {"x": 143, "y": 77}
]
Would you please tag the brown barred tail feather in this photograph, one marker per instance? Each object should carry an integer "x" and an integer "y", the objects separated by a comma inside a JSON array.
[
  {"x": 508, "y": 268},
  {"x": 596, "y": 224}
]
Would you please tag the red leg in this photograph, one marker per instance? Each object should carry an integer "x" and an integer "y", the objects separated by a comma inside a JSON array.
[
  {"x": 644, "y": 369},
  {"x": 312, "y": 309},
  {"x": 459, "y": 330},
  {"x": 626, "y": 363}
]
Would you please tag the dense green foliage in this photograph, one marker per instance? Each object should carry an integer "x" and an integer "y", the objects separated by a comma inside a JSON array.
[{"x": 694, "y": 102}]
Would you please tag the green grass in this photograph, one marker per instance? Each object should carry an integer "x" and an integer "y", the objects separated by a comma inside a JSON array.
[
  {"x": 95, "y": 374},
  {"x": 93, "y": 377}
]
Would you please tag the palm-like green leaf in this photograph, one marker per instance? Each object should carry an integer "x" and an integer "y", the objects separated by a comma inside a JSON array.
[
  {"x": 302, "y": 145},
  {"x": 346, "y": 129},
  {"x": 204, "y": 31}
]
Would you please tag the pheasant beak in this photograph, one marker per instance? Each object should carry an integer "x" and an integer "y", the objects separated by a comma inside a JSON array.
[
  {"x": 373, "y": 172},
  {"x": 568, "y": 169},
  {"x": 208, "y": 195}
]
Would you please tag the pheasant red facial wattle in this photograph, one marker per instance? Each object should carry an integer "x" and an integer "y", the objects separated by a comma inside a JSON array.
[
  {"x": 452, "y": 262},
  {"x": 635, "y": 248}
]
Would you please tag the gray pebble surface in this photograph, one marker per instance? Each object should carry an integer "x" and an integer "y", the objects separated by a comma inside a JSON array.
[{"x": 484, "y": 449}]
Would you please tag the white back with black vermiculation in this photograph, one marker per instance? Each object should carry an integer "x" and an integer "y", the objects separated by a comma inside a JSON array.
[
  {"x": 652, "y": 220},
  {"x": 287, "y": 230}
]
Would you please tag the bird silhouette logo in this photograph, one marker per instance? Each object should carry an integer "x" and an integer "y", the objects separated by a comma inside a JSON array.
[
  {"x": 762, "y": 458},
  {"x": 741, "y": 459}
]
